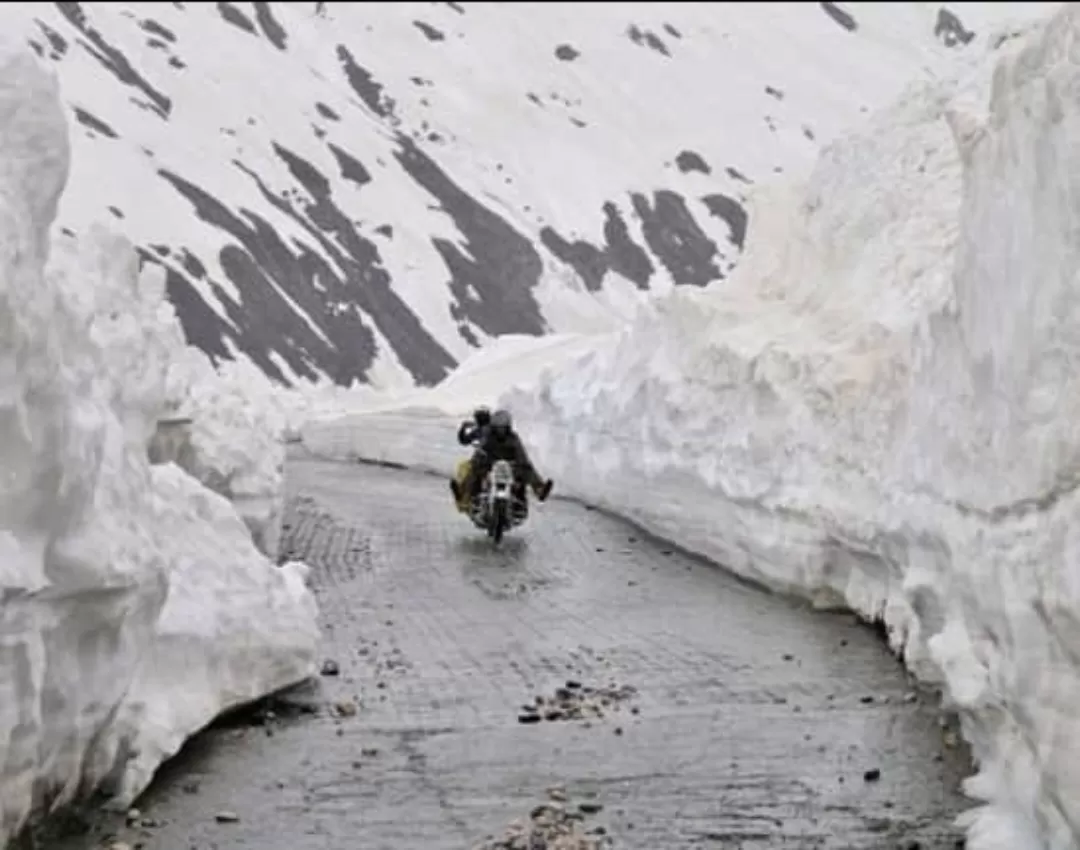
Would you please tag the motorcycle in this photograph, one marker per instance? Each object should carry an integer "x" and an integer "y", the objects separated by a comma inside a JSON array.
[{"x": 501, "y": 504}]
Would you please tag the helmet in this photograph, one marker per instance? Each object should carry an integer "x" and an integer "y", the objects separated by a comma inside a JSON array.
[
  {"x": 482, "y": 415},
  {"x": 501, "y": 423}
]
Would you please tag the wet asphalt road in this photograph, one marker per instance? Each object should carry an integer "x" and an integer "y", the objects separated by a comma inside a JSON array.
[{"x": 752, "y": 723}]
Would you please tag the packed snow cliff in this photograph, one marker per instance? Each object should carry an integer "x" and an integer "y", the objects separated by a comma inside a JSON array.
[
  {"x": 133, "y": 603},
  {"x": 878, "y": 409}
]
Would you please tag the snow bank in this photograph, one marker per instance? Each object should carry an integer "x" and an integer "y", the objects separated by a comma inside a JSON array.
[
  {"x": 878, "y": 410},
  {"x": 133, "y": 605},
  {"x": 227, "y": 427},
  {"x": 233, "y": 439}
]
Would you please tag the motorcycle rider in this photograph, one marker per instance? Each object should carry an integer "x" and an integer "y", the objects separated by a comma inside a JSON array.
[
  {"x": 475, "y": 431},
  {"x": 499, "y": 441},
  {"x": 471, "y": 431}
]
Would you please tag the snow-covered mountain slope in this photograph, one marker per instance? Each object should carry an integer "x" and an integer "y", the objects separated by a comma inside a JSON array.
[
  {"x": 877, "y": 410},
  {"x": 134, "y": 606},
  {"x": 365, "y": 191}
]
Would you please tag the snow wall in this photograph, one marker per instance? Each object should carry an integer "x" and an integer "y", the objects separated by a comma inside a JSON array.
[
  {"x": 878, "y": 409},
  {"x": 134, "y": 606}
]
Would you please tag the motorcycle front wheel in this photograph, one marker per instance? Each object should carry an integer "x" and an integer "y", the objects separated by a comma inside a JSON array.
[{"x": 498, "y": 522}]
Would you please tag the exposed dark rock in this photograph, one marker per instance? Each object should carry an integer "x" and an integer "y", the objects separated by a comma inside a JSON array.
[
  {"x": 365, "y": 282},
  {"x": 653, "y": 41},
  {"x": 351, "y": 168},
  {"x": 274, "y": 31},
  {"x": 620, "y": 253},
  {"x": 493, "y": 282},
  {"x": 366, "y": 87},
  {"x": 112, "y": 59},
  {"x": 688, "y": 161},
  {"x": 950, "y": 30},
  {"x": 145, "y": 106},
  {"x": 840, "y": 16},
  {"x": 468, "y": 335},
  {"x": 235, "y": 17},
  {"x": 429, "y": 31},
  {"x": 735, "y": 174},
  {"x": 192, "y": 265},
  {"x": 327, "y": 295},
  {"x": 202, "y": 327},
  {"x": 676, "y": 239},
  {"x": 153, "y": 27},
  {"x": 566, "y": 53},
  {"x": 626, "y": 257},
  {"x": 645, "y": 38},
  {"x": 56, "y": 42},
  {"x": 92, "y": 122},
  {"x": 587, "y": 260},
  {"x": 730, "y": 211},
  {"x": 326, "y": 112}
]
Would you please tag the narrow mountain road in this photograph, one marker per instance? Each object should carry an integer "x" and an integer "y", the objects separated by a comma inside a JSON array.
[{"x": 694, "y": 711}]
